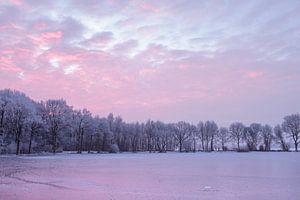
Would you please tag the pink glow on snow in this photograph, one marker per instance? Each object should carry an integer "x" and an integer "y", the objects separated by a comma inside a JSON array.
[{"x": 155, "y": 176}]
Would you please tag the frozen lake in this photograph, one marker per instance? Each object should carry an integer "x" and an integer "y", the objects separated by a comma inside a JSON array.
[{"x": 237, "y": 176}]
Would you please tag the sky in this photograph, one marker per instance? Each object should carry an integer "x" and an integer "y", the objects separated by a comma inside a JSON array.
[{"x": 171, "y": 60}]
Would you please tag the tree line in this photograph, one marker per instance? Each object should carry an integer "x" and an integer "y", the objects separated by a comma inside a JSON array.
[{"x": 27, "y": 126}]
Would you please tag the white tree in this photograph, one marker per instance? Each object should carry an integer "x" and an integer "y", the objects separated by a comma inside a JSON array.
[
  {"x": 210, "y": 132},
  {"x": 291, "y": 125},
  {"x": 102, "y": 133},
  {"x": 267, "y": 136},
  {"x": 135, "y": 136},
  {"x": 251, "y": 135},
  {"x": 279, "y": 137},
  {"x": 181, "y": 133},
  {"x": 4, "y": 107},
  {"x": 150, "y": 135},
  {"x": 201, "y": 134},
  {"x": 35, "y": 123},
  {"x": 194, "y": 136},
  {"x": 82, "y": 122},
  {"x": 117, "y": 130},
  {"x": 223, "y": 136},
  {"x": 236, "y": 131},
  {"x": 18, "y": 115},
  {"x": 57, "y": 115}
]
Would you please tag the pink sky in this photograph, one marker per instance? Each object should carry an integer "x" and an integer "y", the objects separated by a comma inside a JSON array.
[{"x": 166, "y": 60}]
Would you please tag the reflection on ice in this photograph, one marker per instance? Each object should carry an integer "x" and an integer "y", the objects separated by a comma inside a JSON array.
[{"x": 151, "y": 176}]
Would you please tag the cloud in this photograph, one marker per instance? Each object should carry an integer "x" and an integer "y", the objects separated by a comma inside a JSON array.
[
  {"x": 168, "y": 60},
  {"x": 254, "y": 74}
]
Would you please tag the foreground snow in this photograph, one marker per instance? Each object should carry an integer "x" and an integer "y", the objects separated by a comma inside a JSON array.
[{"x": 245, "y": 176}]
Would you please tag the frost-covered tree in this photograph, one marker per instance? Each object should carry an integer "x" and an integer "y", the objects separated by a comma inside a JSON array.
[
  {"x": 135, "y": 138},
  {"x": 109, "y": 137},
  {"x": 118, "y": 137},
  {"x": 57, "y": 115},
  {"x": 150, "y": 133},
  {"x": 210, "y": 130},
  {"x": 160, "y": 137},
  {"x": 291, "y": 125},
  {"x": 4, "y": 107},
  {"x": 181, "y": 133},
  {"x": 82, "y": 123},
  {"x": 194, "y": 136},
  {"x": 223, "y": 137},
  {"x": 201, "y": 134},
  {"x": 18, "y": 116},
  {"x": 207, "y": 133},
  {"x": 236, "y": 131},
  {"x": 27, "y": 126},
  {"x": 251, "y": 135},
  {"x": 102, "y": 133},
  {"x": 279, "y": 137},
  {"x": 267, "y": 136},
  {"x": 35, "y": 125}
]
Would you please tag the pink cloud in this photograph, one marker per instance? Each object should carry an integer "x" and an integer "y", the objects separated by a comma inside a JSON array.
[
  {"x": 99, "y": 40},
  {"x": 149, "y": 7},
  {"x": 52, "y": 35},
  {"x": 134, "y": 60},
  {"x": 254, "y": 74}
]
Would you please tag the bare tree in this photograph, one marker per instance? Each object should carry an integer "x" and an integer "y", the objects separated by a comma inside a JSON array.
[
  {"x": 102, "y": 133},
  {"x": 35, "y": 123},
  {"x": 4, "y": 107},
  {"x": 82, "y": 122},
  {"x": 280, "y": 138},
  {"x": 251, "y": 135},
  {"x": 201, "y": 134},
  {"x": 291, "y": 125},
  {"x": 150, "y": 133},
  {"x": 56, "y": 115},
  {"x": 194, "y": 136},
  {"x": 236, "y": 131},
  {"x": 223, "y": 136},
  {"x": 28, "y": 126},
  {"x": 135, "y": 136},
  {"x": 181, "y": 133},
  {"x": 18, "y": 116},
  {"x": 211, "y": 130},
  {"x": 267, "y": 136},
  {"x": 117, "y": 133}
]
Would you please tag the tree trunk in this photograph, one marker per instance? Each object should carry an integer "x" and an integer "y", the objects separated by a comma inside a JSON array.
[
  {"x": 212, "y": 144},
  {"x": 18, "y": 147},
  {"x": 54, "y": 144},
  {"x": 81, "y": 142},
  {"x": 30, "y": 142},
  {"x": 18, "y": 136},
  {"x": 104, "y": 142},
  {"x": 91, "y": 142},
  {"x": 180, "y": 146}
]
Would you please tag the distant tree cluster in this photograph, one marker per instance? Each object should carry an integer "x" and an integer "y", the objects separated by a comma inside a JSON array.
[{"x": 27, "y": 126}]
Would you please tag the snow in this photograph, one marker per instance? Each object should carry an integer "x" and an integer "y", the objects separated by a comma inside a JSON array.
[{"x": 207, "y": 176}]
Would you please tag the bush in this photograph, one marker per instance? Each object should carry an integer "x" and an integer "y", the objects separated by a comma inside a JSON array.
[
  {"x": 114, "y": 148},
  {"x": 243, "y": 149},
  {"x": 261, "y": 148}
]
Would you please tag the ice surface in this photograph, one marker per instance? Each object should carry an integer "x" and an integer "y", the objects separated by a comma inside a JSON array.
[{"x": 213, "y": 176}]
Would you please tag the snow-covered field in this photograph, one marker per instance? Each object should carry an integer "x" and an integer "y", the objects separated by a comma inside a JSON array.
[{"x": 237, "y": 176}]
